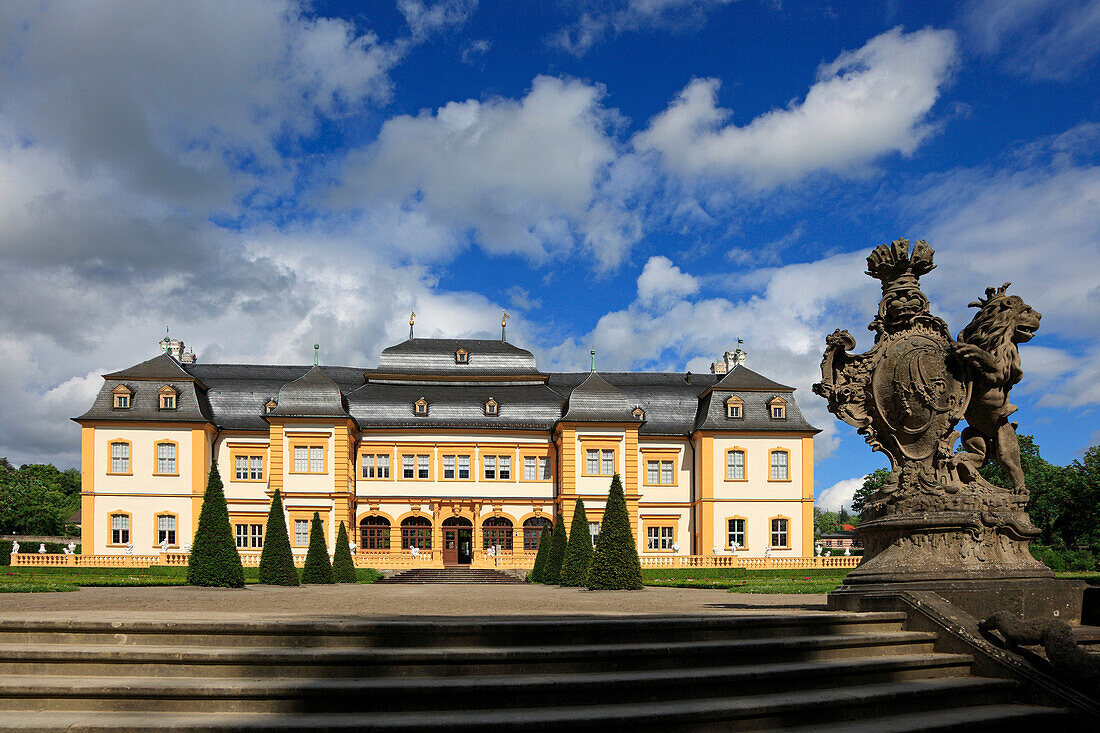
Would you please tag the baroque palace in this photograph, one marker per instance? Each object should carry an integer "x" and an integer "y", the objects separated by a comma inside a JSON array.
[{"x": 451, "y": 451}]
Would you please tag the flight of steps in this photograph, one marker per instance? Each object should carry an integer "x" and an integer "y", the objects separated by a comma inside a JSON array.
[
  {"x": 857, "y": 672},
  {"x": 452, "y": 576}
]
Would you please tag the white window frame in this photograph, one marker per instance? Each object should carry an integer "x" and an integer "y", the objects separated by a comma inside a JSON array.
[
  {"x": 301, "y": 532},
  {"x": 780, "y": 530},
  {"x": 780, "y": 468},
  {"x": 732, "y": 533},
  {"x": 120, "y": 457},
  {"x": 166, "y": 528},
  {"x": 733, "y": 468},
  {"x": 120, "y": 529},
  {"x": 464, "y": 468}
]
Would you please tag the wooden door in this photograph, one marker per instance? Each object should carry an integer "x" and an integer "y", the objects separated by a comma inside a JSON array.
[{"x": 450, "y": 546}]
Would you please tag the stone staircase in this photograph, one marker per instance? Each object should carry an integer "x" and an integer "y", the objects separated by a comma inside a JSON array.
[
  {"x": 452, "y": 576},
  {"x": 753, "y": 672}
]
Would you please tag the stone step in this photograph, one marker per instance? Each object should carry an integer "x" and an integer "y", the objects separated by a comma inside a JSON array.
[
  {"x": 753, "y": 712},
  {"x": 1002, "y": 718},
  {"x": 452, "y": 576},
  {"x": 443, "y": 632},
  {"x": 182, "y": 694},
  {"x": 444, "y": 661}
]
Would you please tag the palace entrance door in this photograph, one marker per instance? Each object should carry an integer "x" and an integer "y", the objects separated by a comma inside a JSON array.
[{"x": 458, "y": 541}]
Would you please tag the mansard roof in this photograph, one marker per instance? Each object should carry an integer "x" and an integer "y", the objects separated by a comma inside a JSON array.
[
  {"x": 311, "y": 395},
  {"x": 159, "y": 367},
  {"x": 754, "y": 410},
  {"x": 742, "y": 378},
  {"x": 597, "y": 400},
  {"x": 437, "y": 356},
  {"x": 191, "y": 402}
]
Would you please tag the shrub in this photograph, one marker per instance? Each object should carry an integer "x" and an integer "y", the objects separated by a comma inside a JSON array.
[
  {"x": 556, "y": 554},
  {"x": 343, "y": 567},
  {"x": 578, "y": 553},
  {"x": 538, "y": 571},
  {"x": 615, "y": 565},
  {"x": 277, "y": 560},
  {"x": 318, "y": 569},
  {"x": 1064, "y": 559},
  {"x": 214, "y": 560}
]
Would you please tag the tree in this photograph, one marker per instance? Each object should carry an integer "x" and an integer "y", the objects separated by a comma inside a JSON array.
[
  {"x": 214, "y": 560},
  {"x": 578, "y": 552},
  {"x": 824, "y": 522},
  {"x": 277, "y": 560},
  {"x": 872, "y": 483},
  {"x": 343, "y": 567},
  {"x": 538, "y": 571},
  {"x": 556, "y": 554},
  {"x": 615, "y": 565},
  {"x": 318, "y": 569}
]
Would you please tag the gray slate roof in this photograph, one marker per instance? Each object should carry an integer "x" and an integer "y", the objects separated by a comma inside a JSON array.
[{"x": 232, "y": 396}]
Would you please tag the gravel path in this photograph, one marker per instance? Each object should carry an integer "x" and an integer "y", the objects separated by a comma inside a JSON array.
[{"x": 181, "y": 602}]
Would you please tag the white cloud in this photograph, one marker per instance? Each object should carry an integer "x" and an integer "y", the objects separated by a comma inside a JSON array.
[
  {"x": 600, "y": 18},
  {"x": 867, "y": 103},
  {"x": 839, "y": 494},
  {"x": 426, "y": 18},
  {"x": 661, "y": 279},
  {"x": 525, "y": 175},
  {"x": 1037, "y": 38}
]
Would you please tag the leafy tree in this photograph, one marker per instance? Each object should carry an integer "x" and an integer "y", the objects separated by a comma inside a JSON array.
[
  {"x": 578, "y": 552},
  {"x": 538, "y": 571},
  {"x": 556, "y": 554},
  {"x": 843, "y": 517},
  {"x": 37, "y": 498},
  {"x": 874, "y": 481},
  {"x": 277, "y": 559},
  {"x": 318, "y": 569},
  {"x": 615, "y": 565},
  {"x": 214, "y": 560},
  {"x": 343, "y": 567},
  {"x": 824, "y": 522}
]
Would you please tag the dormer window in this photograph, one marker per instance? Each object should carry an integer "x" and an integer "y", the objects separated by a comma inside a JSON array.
[
  {"x": 167, "y": 397},
  {"x": 777, "y": 408},
  {"x": 462, "y": 356},
  {"x": 421, "y": 407},
  {"x": 121, "y": 396},
  {"x": 735, "y": 408},
  {"x": 638, "y": 413},
  {"x": 492, "y": 407},
  {"x": 269, "y": 406}
]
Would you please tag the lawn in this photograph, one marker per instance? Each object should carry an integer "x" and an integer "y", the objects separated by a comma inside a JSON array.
[
  {"x": 742, "y": 580},
  {"x": 29, "y": 579}
]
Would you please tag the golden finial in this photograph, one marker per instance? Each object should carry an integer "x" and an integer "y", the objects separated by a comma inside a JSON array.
[
  {"x": 412, "y": 317},
  {"x": 503, "y": 324}
]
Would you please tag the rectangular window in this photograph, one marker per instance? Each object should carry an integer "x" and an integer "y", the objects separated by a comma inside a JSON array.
[
  {"x": 120, "y": 457},
  {"x": 383, "y": 466},
  {"x": 659, "y": 472},
  {"x": 779, "y": 533},
  {"x": 240, "y": 468},
  {"x": 530, "y": 468},
  {"x": 120, "y": 529},
  {"x": 316, "y": 459},
  {"x": 301, "y": 459},
  {"x": 652, "y": 472},
  {"x": 422, "y": 467},
  {"x": 594, "y": 530},
  {"x": 448, "y": 467},
  {"x": 368, "y": 466},
  {"x": 167, "y": 402},
  {"x": 505, "y": 468},
  {"x": 592, "y": 462},
  {"x": 464, "y": 468},
  {"x": 166, "y": 529},
  {"x": 779, "y": 465},
  {"x": 257, "y": 535},
  {"x": 658, "y": 538},
  {"x": 490, "y": 467},
  {"x": 544, "y": 469},
  {"x": 608, "y": 463},
  {"x": 166, "y": 457},
  {"x": 376, "y": 466},
  {"x": 122, "y": 401},
  {"x": 736, "y": 533},
  {"x": 408, "y": 467},
  {"x": 256, "y": 468},
  {"x": 777, "y": 412},
  {"x": 735, "y": 465},
  {"x": 666, "y": 472},
  {"x": 240, "y": 531},
  {"x": 301, "y": 532}
]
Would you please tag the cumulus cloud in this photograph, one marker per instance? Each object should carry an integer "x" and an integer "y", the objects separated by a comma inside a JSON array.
[
  {"x": 661, "y": 279},
  {"x": 525, "y": 175},
  {"x": 839, "y": 494},
  {"x": 425, "y": 18},
  {"x": 867, "y": 103},
  {"x": 599, "y": 19},
  {"x": 1036, "y": 38}
]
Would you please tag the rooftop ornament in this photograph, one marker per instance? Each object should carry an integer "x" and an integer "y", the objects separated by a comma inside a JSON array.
[{"x": 936, "y": 518}]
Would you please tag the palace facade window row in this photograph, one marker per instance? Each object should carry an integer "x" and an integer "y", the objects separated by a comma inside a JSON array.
[
  {"x": 416, "y": 531},
  {"x": 779, "y": 460},
  {"x": 454, "y": 467},
  {"x": 120, "y": 458},
  {"x": 779, "y": 533},
  {"x": 121, "y": 528}
]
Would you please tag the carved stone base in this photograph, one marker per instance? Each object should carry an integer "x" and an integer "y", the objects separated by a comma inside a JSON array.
[
  {"x": 1028, "y": 598},
  {"x": 942, "y": 546}
]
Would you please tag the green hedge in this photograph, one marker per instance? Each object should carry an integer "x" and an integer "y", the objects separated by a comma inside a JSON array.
[
  {"x": 1064, "y": 559},
  {"x": 52, "y": 548}
]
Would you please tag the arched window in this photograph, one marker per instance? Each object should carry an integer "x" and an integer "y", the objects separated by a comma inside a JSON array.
[
  {"x": 374, "y": 533},
  {"x": 416, "y": 532},
  {"x": 533, "y": 531},
  {"x": 497, "y": 531}
]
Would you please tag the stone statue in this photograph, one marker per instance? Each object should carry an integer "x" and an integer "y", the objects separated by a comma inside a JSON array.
[
  {"x": 847, "y": 552},
  {"x": 935, "y": 517},
  {"x": 817, "y": 550},
  {"x": 42, "y": 548},
  {"x": 164, "y": 545},
  {"x": 15, "y": 548}
]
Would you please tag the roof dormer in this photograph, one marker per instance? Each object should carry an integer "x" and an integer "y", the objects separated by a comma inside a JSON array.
[
  {"x": 122, "y": 397},
  {"x": 167, "y": 398},
  {"x": 777, "y": 408},
  {"x": 420, "y": 407},
  {"x": 270, "y": 405},
  {"x": 735, "y": 408},
  {"x": 492, "y": 407},
  {"x": 462, "y": 356},
  {"x": 638, "y": 412}
]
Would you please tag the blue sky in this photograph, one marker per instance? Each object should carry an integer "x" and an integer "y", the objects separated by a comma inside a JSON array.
[{"x": 650, "y": 178}]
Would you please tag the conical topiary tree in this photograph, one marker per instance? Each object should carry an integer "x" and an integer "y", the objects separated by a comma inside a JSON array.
[
  {"x": 343, "y": 567},
  {"x": 214, "y": 560},
  {"x": 556, "y": 554},
  {"x": 538, "y": 571},
  {"x": 318, "y": 569},
  {"x": 578, "y": 553},
  {"x": 277, "y": 560},
  {"x": 615, "y": 564}
]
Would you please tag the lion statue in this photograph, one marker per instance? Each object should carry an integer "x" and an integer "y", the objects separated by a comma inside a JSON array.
[{"x": 987, "y": 348}]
